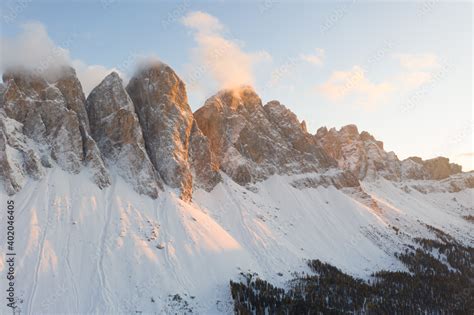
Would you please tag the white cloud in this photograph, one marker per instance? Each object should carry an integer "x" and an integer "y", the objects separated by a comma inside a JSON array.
[
  {"x": 412, "y": 80},
  {"x": 32, "y": 49},
  {"x": 202, "y": 22},
  {"x": 353, "y": 85},
  {"x": 413, "y": 62},
  {"x": 417, "y": 69},
  {"x": 218, "y": 55},
  {"x": 91, "y": 75},
  {"x": 316, "y": 59}
]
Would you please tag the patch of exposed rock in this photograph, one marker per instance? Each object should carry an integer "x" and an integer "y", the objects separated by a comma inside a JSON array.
[
  {"x": 115, "y": 128},
  {"x": 205, "y": 172},
  {"x": 18, "y": 157},
  {"x": 338, "y": 179},
  {"x": 166, "y": 119},
  {"x": 52, "y": 114},
  {"x": 366, "y": 158},
  {"x": 148, "y": 134},
  {"x": 451, "y": 184},
  {"x": 436, "y": 168},
  {"x": 359, "y": 153},
  {"x": 250, "y": 142}
]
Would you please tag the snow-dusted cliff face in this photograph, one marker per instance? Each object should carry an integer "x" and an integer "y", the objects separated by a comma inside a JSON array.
[
  {"x": 128, "y": 202},
  {"x": 251, "y": 142},
  {"x": 45, "y": 124},
  {"x": 167, "y": 122},
  {"x": 115, "y": 128},
  {"x": 365, "y": 157}
]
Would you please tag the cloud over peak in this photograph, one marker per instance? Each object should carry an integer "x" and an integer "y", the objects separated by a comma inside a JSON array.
[
  {"x": 202, "y": 22},
  {"x": 34, "y": 50},
  {"x": 218, "y": 55}
]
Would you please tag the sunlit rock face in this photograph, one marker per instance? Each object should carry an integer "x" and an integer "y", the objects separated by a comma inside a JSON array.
[
  {"x": 147, "y": 134},
  {"x": 250, "y": 142},
  {"x": 166, "y": 119},
  {"x": 366, "y": 158},
  {"x": 359, "y": 153},
  {"x": 71, "y": 90},
  {"x": 115, "y": 127},
  {"x": 52, "y": 114},
  {"x": 205, "y": 171},
  {"x": 437, "y": 168},
  {"x": 18, "y": 159}
]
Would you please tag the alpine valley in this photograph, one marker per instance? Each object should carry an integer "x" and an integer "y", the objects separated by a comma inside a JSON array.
[{"x": 128, "y": 202}]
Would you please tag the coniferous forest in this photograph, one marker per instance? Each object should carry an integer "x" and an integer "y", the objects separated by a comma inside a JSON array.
[{"x": 440, "y": 280}]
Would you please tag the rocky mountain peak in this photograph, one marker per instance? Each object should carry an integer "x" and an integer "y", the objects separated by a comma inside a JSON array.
[
  {"x": 71, "y": 88},
  {"x": 366, "y": 158},
  {"x": 242, "y": 99},
  {"x": 163, "y": 84},
  {"x": 303, "y": 126},
  {"x": 282, "y": 116},
  {"x": 436, "y": 168},
  {"x": 350, "y": 131},
  {"x": 365, "y": 136},
  {"x": 359, "y": 153},
  {"x": 111, "y": 88},
  {"x": 148, "y": 135},
  {"x": 116, "y": 129},
  {"x": 52, "y": 115},
  {"x": 166, "y": 120},
  {"x": 250, "y": 142}
]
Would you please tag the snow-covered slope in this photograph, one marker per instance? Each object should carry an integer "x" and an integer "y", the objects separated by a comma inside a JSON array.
[{"x": 85, "y": 250}]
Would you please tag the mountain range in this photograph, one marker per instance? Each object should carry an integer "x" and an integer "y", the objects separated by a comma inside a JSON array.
[{"x": 127, "y": 199}]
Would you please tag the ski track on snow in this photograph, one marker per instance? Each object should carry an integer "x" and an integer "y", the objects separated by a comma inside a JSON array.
[
  {"x": 104, "y": 290},
  {"x": 41, "y": 247},
  {"x": 68, "y": 262}
]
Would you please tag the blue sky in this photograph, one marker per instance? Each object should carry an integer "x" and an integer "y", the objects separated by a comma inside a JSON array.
[{"x": 400, "y": 70}]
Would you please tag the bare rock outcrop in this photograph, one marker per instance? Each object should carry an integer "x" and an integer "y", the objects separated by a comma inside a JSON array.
[
  {"x": 436, "y": 168},
  {"x": 366, "y": 158},
  {"x": 115, "y": 128},
  {"x": 359, "y": 153},
  {"x": 166, "y": 119},
  {"x": 52, "y": 116},
  {"x": 147, "y": 133},
  {"x": 18, "y": 157},
  {"x": 250, "y": 142},
  {"x": 205, "y": 172}
]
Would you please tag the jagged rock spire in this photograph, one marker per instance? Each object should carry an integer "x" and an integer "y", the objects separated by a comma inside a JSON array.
[
  {"x": 115, "y": 127},
  {"x": 250, "y": 142},
  {"x": 167, "y": 122},
  {"x": 148, "y": 135},
  {"x": 52, "y": 115},
  {"x": 366, "y": 158}
]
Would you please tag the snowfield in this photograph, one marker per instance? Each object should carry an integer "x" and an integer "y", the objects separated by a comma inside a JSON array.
[{"x": 85, "y": 250}]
